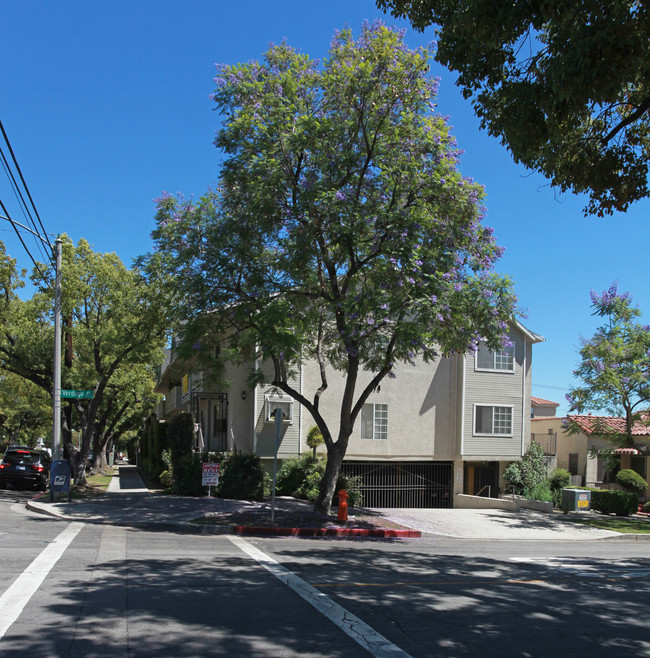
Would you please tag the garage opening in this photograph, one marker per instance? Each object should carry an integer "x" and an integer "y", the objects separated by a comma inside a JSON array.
[{"x": 404, "y": 484}]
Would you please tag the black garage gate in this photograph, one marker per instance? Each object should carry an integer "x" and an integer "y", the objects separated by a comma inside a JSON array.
[{"x": 404, "y": 484}]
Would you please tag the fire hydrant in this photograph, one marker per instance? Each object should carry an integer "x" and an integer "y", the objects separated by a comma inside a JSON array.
[{"x": 343, "y": 505}]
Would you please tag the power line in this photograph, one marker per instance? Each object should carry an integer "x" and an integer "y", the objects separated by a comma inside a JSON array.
[
  {"x": 22, "y": 178},
  {"x": 11, "y": 221}
]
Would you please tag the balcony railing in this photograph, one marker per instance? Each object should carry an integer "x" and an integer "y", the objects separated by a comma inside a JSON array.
[{"x": 548, "y": 442}]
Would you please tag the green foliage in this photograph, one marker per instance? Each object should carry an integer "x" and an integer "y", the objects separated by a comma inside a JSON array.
[
  {"x": 115, "y": 325},
  {"x": 527, "y": 474},
  {"x": 167, "y": 480},
  {"x": 621, "y": 503},
  {"x": 542, "y": 491},
  {"x": 25, "y": 410},
  {"x": 559, "y": 479},
  {"x": 614, "y": 367},
  {"x": 563, "y": 85},
  {"x": 352, "y": 484},
  {"x": 291, "y": 475},
  {"x": 180, "y": 435},
  {"x": 302, "y": 476},
  {"x": 631, "y": 481},
  {"x": 242, "y": 478},
  {"x": 314, "y": 439},
  {"x": 646, "y": 507},
  {"x": 341, "y": 230}
]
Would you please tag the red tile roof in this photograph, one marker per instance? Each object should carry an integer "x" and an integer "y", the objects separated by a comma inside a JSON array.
[
  {"x": 608, "y": 425},
  {"x": 542, "y": 401}
]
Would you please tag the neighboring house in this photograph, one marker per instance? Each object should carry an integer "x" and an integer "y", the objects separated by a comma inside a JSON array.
[
  {"x": 434, "y": 431},
  {"x": 575, "y": 451}
]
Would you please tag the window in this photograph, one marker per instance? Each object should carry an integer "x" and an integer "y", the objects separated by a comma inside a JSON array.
[
  {"x": 503, "y": 360},
  {"x": 374, "y": 421},
  {"x": 573, "y": 463},
  {"x": 285, "y": 405},
  {"x": 492, "y": 420}
]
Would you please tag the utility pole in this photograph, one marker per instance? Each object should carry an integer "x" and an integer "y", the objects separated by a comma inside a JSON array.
[{"x": 56, "y": 397}]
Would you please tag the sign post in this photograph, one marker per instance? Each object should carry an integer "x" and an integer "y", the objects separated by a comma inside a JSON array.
[{"x": 278, "y": 432}]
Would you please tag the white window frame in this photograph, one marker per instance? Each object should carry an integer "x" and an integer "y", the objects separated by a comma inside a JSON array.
[
  {"x": 494, "y": 407},
  {"x": 496, "y": 357},
  {"x": 379, "y": 421},
  {"x": 272, "y": 402}
]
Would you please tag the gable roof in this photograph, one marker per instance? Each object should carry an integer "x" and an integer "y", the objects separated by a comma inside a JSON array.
[
  {"x": 541, "y": 402},
  {"x": 596, "y": 425}
]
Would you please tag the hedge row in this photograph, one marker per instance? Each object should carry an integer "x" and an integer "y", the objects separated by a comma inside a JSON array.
[{"x": 621, "y": 503}]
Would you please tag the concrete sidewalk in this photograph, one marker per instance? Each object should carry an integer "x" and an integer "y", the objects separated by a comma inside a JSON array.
[{"x": 129, "y": 502}]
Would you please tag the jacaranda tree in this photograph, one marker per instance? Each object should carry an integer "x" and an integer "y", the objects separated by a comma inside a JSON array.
[
  {"x": 614, "y": 367},
  {"x": 341, "y": 230}
]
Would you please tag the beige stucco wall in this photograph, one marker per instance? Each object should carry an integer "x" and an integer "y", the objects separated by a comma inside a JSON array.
[
  {"x": 421, "y": 411},
  {"x": 566, "y": 444}
]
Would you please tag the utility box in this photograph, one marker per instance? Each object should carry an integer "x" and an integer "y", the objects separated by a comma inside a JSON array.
[
  {"x": 60, "y": 478},
  {"x": 576, "y": 500}
]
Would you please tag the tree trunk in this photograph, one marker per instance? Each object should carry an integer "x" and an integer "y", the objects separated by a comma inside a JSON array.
[{"x": 335, "y": 454}]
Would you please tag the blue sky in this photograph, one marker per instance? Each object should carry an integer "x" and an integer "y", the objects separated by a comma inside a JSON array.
[{"x": 107, "y": 105}]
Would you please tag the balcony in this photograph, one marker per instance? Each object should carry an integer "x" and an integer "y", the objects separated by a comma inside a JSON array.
[{"x": 548, "y": 442}]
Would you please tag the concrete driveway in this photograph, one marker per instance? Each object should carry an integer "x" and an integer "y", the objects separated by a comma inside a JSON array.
[{"x": 494, "y": 524}]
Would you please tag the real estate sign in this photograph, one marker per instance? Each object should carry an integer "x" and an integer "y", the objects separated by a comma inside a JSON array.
[{"x": 210, "y": 476}]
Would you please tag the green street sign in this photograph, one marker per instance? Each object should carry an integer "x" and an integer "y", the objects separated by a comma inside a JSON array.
[{"x": 77, "y": 394}]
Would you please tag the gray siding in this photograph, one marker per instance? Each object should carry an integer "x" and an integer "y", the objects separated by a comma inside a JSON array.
[
  {"x": 265, "y": 429},
  {"x": 498, "y": 389}
]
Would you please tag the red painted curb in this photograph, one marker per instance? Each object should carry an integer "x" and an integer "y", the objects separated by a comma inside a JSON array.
[{"x": 327, "y": 532}]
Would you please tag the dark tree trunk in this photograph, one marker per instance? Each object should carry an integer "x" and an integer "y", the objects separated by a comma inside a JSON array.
[{"x": 335, "y": 454}]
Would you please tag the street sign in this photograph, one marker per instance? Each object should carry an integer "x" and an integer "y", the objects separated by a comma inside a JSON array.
[{"x": 78, "y": 394}]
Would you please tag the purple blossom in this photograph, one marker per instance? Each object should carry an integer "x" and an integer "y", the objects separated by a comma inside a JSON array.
[{"x": 340, "y": 195}]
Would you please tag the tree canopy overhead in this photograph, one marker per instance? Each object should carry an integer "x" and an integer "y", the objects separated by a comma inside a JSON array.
[
  {"x": 565, "y": 86},
  {"x": 341, "y": 230}
]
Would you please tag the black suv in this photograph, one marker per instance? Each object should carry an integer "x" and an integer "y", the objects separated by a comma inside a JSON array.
[{"x": 25, "y": 466}]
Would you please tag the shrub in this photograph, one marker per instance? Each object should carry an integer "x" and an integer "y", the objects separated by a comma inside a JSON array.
[
  {"x": 291, "y": 475},
  {"x": 166, "y": 479},
  {"x": 352, "y": 484},
  {"x": 631, "y": 481},
  {"x": 559, "y": 479},
  {"x": 526, "y": 474},
  {"x": 621, "y": 503},
  {"x": 242, "y": 478},
  {"x": 646, "y": 507},
  {"x": 541, "y": 491},
  {"x": 314, "y": 439}
]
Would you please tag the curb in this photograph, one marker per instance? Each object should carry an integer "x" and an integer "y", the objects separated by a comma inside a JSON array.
[{"x": 327, "y": 532}]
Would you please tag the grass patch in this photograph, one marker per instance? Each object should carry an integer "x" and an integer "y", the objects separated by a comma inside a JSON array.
[
  {"x": 626, "y": 524},
  {"x": 96, "y": 485}
]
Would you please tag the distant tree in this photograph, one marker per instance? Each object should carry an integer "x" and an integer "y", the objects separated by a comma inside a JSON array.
[
  {"x": 614, "y": 368},
  {"x": 342, "y": 230},
  {"x": 565, "y": 86},
  {"x": 25, "y": 411},
  {"x": 116, "y": 321}
]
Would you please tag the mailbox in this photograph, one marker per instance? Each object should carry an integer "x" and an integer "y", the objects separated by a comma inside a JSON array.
[{"x": 60, "y": 478}]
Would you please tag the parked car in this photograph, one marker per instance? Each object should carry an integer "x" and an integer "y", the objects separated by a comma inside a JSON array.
[{"x": 25, "y": 466}]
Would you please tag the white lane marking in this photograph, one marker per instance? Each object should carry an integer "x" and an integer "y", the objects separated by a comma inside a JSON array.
[
  {"x": 358, "y": 630},
  {"x": 16, "y": 597}
]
